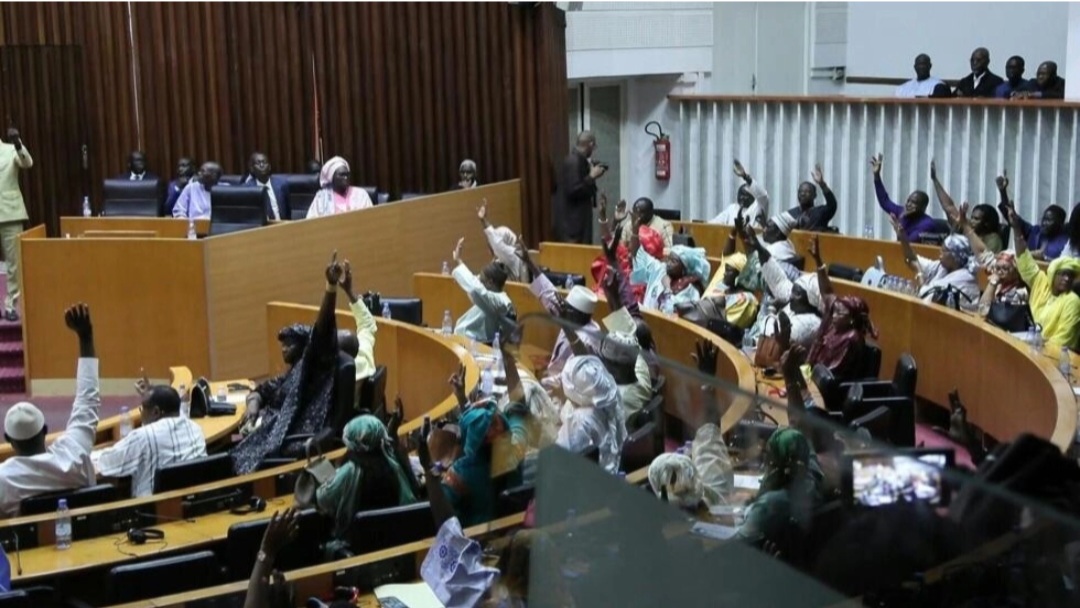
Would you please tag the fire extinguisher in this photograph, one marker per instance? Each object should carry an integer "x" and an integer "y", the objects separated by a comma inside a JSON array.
[{"x": 661, "y": 151}]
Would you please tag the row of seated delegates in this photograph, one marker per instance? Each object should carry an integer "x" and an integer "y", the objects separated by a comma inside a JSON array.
[
  {"x": 491, "y": 307},
  {"x": 65, "y": 463},
  {"x": 752, "y": 202},
  {"x": 502, "y": 242},
  {"x": 981, "y": 82}
]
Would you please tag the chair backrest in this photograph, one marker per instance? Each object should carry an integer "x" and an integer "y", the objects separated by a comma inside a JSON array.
[
  {"x": 133, "y": 582},
  {"x": 82, "y": 497},
  {"x": 15, "y": 599},
  {"x": 871, "y": 361},
  {"x": 343, "y": 409},
  {"x": 233, "y": 179},
  {"x": 192, "y": 473},
  {"x": 683, "y": 239},
  {"x": 371, "y": 391},
  {"x": 406, "y": 310},
  {"x": 384, "y": 528},
  {"x": 828, "y": 387},
  {"x": 237, "y": 208},
  {"x": 140, "y": 198},
  {"x": 853, "y": 403},
  {"x": 639, "y": 449},
  {"x": 372, "y": 192},
  {"x": 671, "y": 215},
  {"x": 245, "y": 538},
  {"x": 408, "y": 195},
  {"x": 302, "y": 189},
  {"x": 559, "y": 278},
  {"x": 906, "y": 376},
  {"x": 878, "y": 422}
]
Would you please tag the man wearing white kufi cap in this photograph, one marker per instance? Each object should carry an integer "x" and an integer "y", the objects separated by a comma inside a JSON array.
[
  {"x": 595, "y": 416},
  {"x": 64, "y": 465}
]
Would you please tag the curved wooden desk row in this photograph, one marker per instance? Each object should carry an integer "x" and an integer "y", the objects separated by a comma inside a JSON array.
[
  {"x": 675, "y": 340},
  {"x": 152, "y": 227},
  {"x": 428, "y": 359},
  {"x": 1006, "y": 390}
]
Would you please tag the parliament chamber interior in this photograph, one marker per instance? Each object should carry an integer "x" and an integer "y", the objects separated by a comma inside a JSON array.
[{"x": 539, "y": 304}]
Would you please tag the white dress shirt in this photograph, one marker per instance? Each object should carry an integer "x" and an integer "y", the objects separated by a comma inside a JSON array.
[
  {"x": 757, "y": 212},
  {"x": 64, "y": 465},
  {"x": 918, "y": 88},
  {"x": 149, "y": 448},
  {"x": 273, "y": 197}
]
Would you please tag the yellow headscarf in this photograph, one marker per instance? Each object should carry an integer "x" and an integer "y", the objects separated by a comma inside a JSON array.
[{"x": 1063, "y": 263}]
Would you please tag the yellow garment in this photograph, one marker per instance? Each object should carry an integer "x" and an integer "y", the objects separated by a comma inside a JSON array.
[
  {"x": 741, "y": 309},
  {"x": 716, "y": 286},
  {"x": 12, "y": 208},
  {"x": 365, "y": 336},
  {"x": 1059, "y": 316}
]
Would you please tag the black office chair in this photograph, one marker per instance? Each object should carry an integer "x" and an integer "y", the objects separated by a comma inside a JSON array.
[
  {"x": 302, "y": 189},
  {"x": 559, "y": 278},
  {"x": 384, "y": 528},
  {"x": 232, "y": 179},
  {"x": 828, "y": 386},
  {"x": 410, "y": 195},
  {"x": 123, "y": 197},
  {"x": 639, "y": 449},
  {"x": 592, "y": 453},
  {"x": 245, "y": 538},
  {"x": 905, "y": 378},
  {"x": 192, "y": 473},
  {"x": 671, "y": 215},
  {"x": 406, "y": 310},
  {"x": 372, "y": 192},
  {"x": 898, "y": 395},
  {"x": 680, "y": 238},
  {"x": 871, "y": 361},
  {"x": 371, "y": 392},
  {"x": 847, "y": 273},
  {"x": 514, "y": 500},
  {"x": 878, "y": 422},
  {"x": 344, "y": 404},
  {"x": 76, "y": 499},
  {"x": 130, "y": 583},
  {"x": 237, "y": 208}
]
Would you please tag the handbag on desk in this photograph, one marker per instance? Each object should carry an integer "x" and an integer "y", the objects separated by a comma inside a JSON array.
[
  {"x": 315, "y": 473},
  {"x": 1013, "y": 318},
  {"x": 769, "y": 350}
]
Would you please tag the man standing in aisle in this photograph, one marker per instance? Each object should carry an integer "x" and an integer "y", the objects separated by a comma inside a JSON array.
[
  {"x": 575, "y": 195},
  {"x": 13, "y": 157}
]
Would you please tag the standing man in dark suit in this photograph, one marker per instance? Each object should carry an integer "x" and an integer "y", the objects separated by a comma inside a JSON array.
[
  {"x": 275, "y": 186},
  {"x": 137, "y": 168},
  {"x": 981, "y": 82},
  {"x": 575, "y": 194}
]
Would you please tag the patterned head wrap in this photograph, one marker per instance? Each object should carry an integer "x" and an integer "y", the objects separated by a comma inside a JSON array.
[{"x": 960, "y": 249}]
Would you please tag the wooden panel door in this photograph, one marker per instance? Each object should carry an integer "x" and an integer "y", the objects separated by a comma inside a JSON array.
[{"x": 41, "y": 94}]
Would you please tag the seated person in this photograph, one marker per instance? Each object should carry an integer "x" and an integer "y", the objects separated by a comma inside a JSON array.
[
  {"x": 790, "y": 489},
  {"x": 912, "y": 215},
  {"x": 294, "y": 340},
  {"x": 335, "y": 195},
  {"x": 576, "y": 310},
  {"x": 1004, "y": 284},
  {"x": 801, "y": 317},
  {"x": 260, "y": 174},
  {"x": 137, "y": 171},
  {"x": 1047, "y": 83},
  {"x": 185, "y": 170},
  {"x": 468, "y": 483},
  {"x": 739, "y": 305},
  {"x": 622, "y": 355},
  {"x": 194, "y": 202},
  {"x": 1054, "y": 305},
  {"x": 1014, "y": 85},
  {"x": 984, "y": 218},
  {"x": 812, "y": 217},
  {"x": 369, "y": 478},
  {"x": 163, "y": 438},
  {"x": 302, "y": 404},
  {"x": 593, "y": 414},
  {"x": 503, "y": 244},
  {"x": 491, "y": 307},
  {"x": 65, "y": 464},
  {"x": 365, "y": 329},
  {"x": 751, "y": 202},
  {"x": 953, "y": 269},
  {"x": 923, "y": 85},
  {"x": 840, "y": 344},
  {"x": 643, "y": 215},
  {"x": 466, "y": 175},
  {"x": 1046, "y": 241},
  {"x": 679, "y": 278},
  {"x": 981, "y": 82}
]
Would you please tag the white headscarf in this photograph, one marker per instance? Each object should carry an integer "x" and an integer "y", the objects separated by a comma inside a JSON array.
[
  {"x": 686, "y": 491},
  {"x": 809, "y": 282},
  {"x": 326, "y": 175},
  {"x": 598, "y": 409}
]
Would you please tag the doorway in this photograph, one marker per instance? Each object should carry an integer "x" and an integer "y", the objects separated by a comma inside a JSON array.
[{"x": 599, "y": 107}]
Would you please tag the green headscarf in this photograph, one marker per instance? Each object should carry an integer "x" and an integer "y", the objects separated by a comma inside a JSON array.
[
  {"x": 788, "y": 456},
  {"x": 364, "y": 434}
]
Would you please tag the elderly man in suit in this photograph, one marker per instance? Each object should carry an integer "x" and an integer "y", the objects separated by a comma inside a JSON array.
[
  {"x": 137, "y": 168},
  {"x": 276, "y": 187},
  {"x": 13, "y": 157}
]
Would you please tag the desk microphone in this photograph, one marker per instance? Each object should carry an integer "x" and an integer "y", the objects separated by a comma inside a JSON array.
[{"x": 18, "y": 556}]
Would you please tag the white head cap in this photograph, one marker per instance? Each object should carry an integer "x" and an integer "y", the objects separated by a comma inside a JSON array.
[
  {"x": 23, "y": 421},
  {"x": 582, "y": 299}
]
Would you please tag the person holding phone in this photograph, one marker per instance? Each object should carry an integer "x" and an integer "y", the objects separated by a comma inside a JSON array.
[
  {"x": 575, "y": 193},
  {"x": 14, "y": 157}
]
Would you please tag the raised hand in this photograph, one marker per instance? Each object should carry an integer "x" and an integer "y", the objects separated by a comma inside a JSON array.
[
  {"x": 791, "y": 362},
  {"x": 740, "y": 171},
  {"x": 597, "y": 171},
  {"x": 933, "y": 171},
  {"x": 815, "y": 248},
  {"x": 422, "y": 451},
  {"x": 142, "y": 385},
  {"x": 1014, "y": 220},
  {"x": 481, "y": 211},
  {"x": 281, "y": 531},
  {"x": 334, "y": 270},
  {"x": 961, "y": 218},
  {"x": 750, "y": 238},
  {"x": 77, "y": 318},
  {"x": 740, "y": 222},
  {"x": 601, "y": 215},
  {"x": 457, "y": 382},
  {"x": 346, "y": 278},
  {"x": 817, "y": 175},
  {"x": 704, "y": 356},
  {"x": 875, "y": 163},
  {"x": 620, "y": 210},
  {"x": 396, "y": 417},
  {"x": 1002, "y": 181},
  {"x": 457, "y": 250}
]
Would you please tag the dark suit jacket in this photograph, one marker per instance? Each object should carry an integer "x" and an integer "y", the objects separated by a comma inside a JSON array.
[
  {"x": 573, "y": 201},
  {"x": 147, "y": 177},
  {"x": 281, "y": 192},
  {"x": 1055, "y": 89},
  {"x": 987, "y": 85},
  {"x": 172, "y": 194}
]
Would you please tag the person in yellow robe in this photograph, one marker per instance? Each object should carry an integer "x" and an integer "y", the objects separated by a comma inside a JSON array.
[{"x": 1053, "y": 304}]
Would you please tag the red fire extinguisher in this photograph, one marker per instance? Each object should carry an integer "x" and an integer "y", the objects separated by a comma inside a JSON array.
[{"x": 661, "y": 151}]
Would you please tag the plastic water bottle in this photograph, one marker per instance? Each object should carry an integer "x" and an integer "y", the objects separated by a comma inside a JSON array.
[
  {"x": 386, "y": 311},
  {"x": 868, "y": 231},
  {"x": 125, "y": 422},
  {"x": 487, "y": 381},
  {"x": 185, "y": 402},
  {"x": 191, "y": 230},
  {"x": 496, "y": 350},
  {"x": 1031, "y": 339},
  {"x": 86, "y": 211},
  {"x": 447, "y": 323},
  {"x": 569, "y": 282},
  {"x": 445, "y": 267},
  {"x": 879, "y": 263},
  {"x": 1065, "y": 363},
  {"x": 63, "y": 525}
]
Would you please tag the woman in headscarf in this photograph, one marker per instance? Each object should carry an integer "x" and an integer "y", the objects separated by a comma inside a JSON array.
[
  {"x": 370, "y": 478},
  {"x": 293, "y": 339},
  {"x": 502, "y": 242},
  {"x": 335, "y": 195},
  {"x": 594, "y": 416},
  {"x": 301, "y": 404},
  {"x": 954, "y": 270},
  {"x": 1004, "y": 284},
  {"x": 789, "y": 491},
  {"x": 1054, "y": 305},
  {"x": 740, "y": 305},
  {"x": 469, "y": 482},
  {"x": 681, "y": 277},
  {"x": 466, "y": 175},
  {"x": 531, "y": 415}
]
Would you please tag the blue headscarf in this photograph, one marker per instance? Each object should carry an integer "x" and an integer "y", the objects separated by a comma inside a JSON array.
[
  {"x": 693, "y": 258},
  {"x": 960, "y": 249}
]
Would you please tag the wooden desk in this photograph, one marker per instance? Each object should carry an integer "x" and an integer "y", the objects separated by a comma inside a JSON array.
[
  {"x": 564, "y": 257},
  {"x": 675, "y": 340},
  {"x": 163, "y": 227}
]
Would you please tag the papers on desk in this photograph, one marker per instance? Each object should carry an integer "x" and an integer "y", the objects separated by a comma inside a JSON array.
[
  {"x": 414, "y": 595},
  {"x": 748, "y": 482},
  {"x": 712, "y": 531}
]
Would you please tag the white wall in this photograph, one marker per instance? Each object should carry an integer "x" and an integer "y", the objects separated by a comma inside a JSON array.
[
  {"x": 610, "y": 39},
  {"x": 1071, "y": 71},
  {"x": 646, "y": 100},
  {"x": 883, "y": 38}
]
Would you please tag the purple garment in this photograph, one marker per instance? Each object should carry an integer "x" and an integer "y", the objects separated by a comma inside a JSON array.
[
  {"x": 194, "y": 202},
  {"x": 913, "y": 226}
]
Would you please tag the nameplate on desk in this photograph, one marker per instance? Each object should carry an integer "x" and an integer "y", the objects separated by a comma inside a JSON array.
[
  {"x": 212, "y": 502},
  {"x": 748, "y": 482}
]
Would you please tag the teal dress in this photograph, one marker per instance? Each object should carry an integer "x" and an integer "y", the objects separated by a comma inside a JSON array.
[{"x": 468, "y": 483}]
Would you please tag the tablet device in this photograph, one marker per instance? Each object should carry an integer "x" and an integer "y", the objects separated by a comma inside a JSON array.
[{"x": 875, "y": 478}]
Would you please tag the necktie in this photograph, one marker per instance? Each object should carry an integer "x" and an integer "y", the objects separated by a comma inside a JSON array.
[{"x": 273, "y": 201}]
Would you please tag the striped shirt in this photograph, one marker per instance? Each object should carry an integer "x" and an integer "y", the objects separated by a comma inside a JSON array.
[{"x": 147, "y": 449}]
